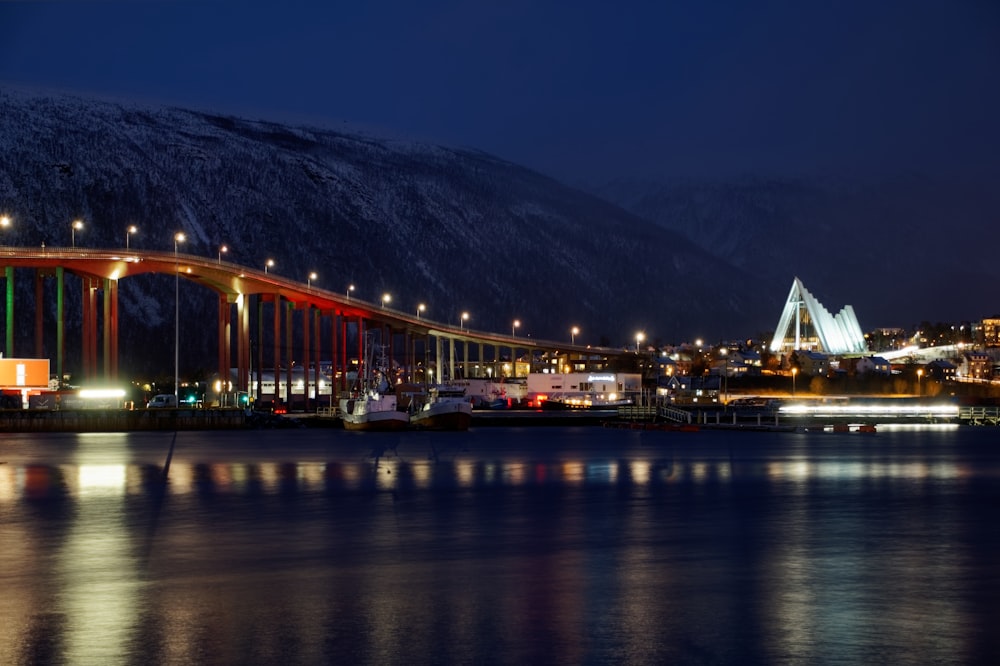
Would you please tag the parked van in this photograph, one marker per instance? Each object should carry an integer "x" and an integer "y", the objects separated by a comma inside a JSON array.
[{"x": 162, "y": 400}]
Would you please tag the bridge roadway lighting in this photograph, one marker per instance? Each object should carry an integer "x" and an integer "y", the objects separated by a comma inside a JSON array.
[
  {"x": 4, "y": 221},
  {"x": 268, "y": 264},
  {"x": 222, "y": 250},
  {"x": 309, "y": 280},
  {"x": 350, "y": 288},
  {"x": 516, "y": 324},
  {"x": 572, "y": 335},
  {"x": 178, "y": 238},
  {"x": 386, "y": 298},
  {"x": 420, "y": 308},
  {"x": 462, "y": 320},
  {"x": 639, "y": 337},
  {"x": 128, "y": 232},
  {"x": 77, "y": 224}
]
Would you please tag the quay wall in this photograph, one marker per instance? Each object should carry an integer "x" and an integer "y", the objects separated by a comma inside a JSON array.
[{"x": 119, "y": 420}]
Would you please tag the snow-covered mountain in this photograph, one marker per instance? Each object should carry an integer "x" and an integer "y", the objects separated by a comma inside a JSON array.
[
  {"x": 456, "y": 229},
  {"x": 901, "y": 250}
]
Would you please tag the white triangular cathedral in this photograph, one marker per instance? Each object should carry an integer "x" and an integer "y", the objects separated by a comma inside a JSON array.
[{"x": 814, "y": 327}]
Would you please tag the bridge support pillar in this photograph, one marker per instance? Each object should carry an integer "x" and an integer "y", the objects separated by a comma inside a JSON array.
[
  {"x": 110, "y": 329},
  {"x": 225, "y": 332},
  {"x": 89, "y": 315},
  {"x": 9, "y": 312},
  {"x": 289, "y": 312},
  {"x": 243, "y": 342},
  {"x": 60, "y": 322},
  {"x": 39, "y": 314}
]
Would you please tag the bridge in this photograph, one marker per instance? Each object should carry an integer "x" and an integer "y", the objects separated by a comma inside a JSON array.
[{"x": 240, "y": 290}]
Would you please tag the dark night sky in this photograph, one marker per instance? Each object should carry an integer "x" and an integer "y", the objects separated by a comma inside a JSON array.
[{"x": 580, "y": 90}]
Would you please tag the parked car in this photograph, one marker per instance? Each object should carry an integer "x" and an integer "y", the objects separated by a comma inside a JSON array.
[{"x": 162, "y": 400}]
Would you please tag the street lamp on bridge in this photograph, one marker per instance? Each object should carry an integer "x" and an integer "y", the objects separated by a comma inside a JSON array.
[
  {"x": 4, "y": 221},
  {"x": 516, "y": 324},
  {"x": 77, "y": 225},
  {"x": 268, "y": 264},
  {"x": 462, "y": 320},
  {"x": 420, "y": 308},
  {"x": 350, "y": 288},
  {"x": 386, "y": 298},
  {"x": 178, "y": 238},
  {"x": 128, "y": 232},
  {"x": 572, "y": 335},
  {"x": 222, "y": 250},
  {"x": 639, "y": 337}
]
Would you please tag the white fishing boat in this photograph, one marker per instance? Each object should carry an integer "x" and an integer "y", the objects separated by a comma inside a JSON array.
[
  {"x": 372, "y": 404},
  {"x": 446, "y": 408}
]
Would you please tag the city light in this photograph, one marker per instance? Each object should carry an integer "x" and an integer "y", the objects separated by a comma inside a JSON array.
[
  {"x": 462, "y": 320},
  {"x": 386, "y": 298},
  {"x": 268, "y": 264},
  {"x": 76, "y": 226},
  {"x": 223, "y": 249},
  {"x": 128, "y": 232},
  {"x": 4, "y": 221},
  {"x": 420, "y": 308},
  {"x": 350, "y": 288},
  {"x": 309, "y": 280},
  {"x": 516, "y": 324},
  {"x": 639, "y": 337},
  {"x": 178, "y": 238},
  {"x": 572, "y": 335}
]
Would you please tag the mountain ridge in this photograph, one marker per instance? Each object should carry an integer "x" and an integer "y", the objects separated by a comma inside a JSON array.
[{"x": 458, "y": 229}]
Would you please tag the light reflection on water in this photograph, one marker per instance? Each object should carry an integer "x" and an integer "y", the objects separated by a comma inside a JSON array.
[{"x": 500, "y": 546}]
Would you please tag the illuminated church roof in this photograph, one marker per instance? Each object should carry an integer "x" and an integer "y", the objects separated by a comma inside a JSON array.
[{"x": 806, "y": 324}]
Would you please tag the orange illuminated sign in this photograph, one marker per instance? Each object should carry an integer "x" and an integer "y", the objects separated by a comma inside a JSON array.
[{"x": 24, "y": 372}]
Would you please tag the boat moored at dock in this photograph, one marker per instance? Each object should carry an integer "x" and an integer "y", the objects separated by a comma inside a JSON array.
[
  {"x": 373, "y": 405},
  {"x": 446, "y": 408}
]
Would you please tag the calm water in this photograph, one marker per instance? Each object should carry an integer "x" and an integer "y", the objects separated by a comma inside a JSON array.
[{"x": 501, "y": 545}]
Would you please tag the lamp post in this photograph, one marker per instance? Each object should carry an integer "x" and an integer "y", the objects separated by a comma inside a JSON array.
[
  {"x": 725, "y": 378},
  {"x": 572, "y": 335},
  {"x": 222, "y": 250},
  {"x": 178, "y": 238},
  {"x": 350, "y": 288},
  {"x": 268, "y": 264},
  {"x": 420, "y": 308},
  {"x": 309, "y": 280},
  {"x": 4, "y": 221},
  {"x": 639, "y": 337},
  {"x": 386, "y": 298},
  {"x": 795, "y": 371},
  {"x": 462, "y": 320},
  {"x": 516, "y": 324},
  {"x": 77, "y": 224},
  {"x": 128, "y": 232}
]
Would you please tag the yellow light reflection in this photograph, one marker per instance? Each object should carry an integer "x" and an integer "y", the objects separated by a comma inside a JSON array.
[
  {"x": 102, "y": 480},
  {"x": 466, "y": 471},
  {"x": 639, "y": 470}
]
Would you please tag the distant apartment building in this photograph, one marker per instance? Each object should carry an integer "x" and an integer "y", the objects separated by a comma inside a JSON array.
[{"x": 989, "y": 332}]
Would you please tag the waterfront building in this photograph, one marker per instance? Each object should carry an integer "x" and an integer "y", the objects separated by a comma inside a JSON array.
[{"x": 579, "y": 388}]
